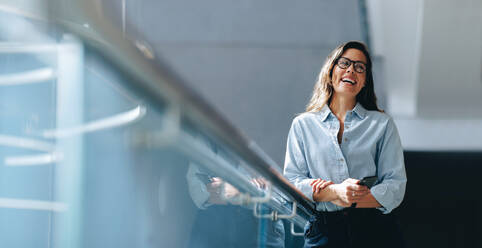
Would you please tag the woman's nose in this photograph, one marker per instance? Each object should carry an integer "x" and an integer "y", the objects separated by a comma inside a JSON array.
[{"x": 351, "y": 68}]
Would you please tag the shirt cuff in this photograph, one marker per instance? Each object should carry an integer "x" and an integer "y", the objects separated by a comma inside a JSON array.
[
  {"x": 305, "y": 188},
  {"x": 321, "y": 206},
  {"x": 381, "y": 195},
  {"x": 200, "y": 195}
]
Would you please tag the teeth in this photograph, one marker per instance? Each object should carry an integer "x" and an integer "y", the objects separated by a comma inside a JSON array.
[{"x": 348, "y": 81}]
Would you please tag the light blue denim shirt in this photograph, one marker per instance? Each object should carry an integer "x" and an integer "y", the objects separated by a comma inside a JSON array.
[{"x": 370, "y": 146}]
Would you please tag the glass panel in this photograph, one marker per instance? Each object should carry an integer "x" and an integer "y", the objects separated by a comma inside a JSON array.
[{"x": 90, "y": 161}]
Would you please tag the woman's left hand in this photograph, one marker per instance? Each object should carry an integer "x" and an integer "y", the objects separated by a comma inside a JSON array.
[{"x": 349, "y": 191}]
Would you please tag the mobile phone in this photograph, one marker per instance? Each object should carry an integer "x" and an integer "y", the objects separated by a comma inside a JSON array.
[
  {"x": 205, "y": 178},
  {"x": 368, "y": 181}
]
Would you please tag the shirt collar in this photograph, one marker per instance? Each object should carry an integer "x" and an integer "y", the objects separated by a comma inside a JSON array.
[
  {"x": 325, "y": 112},
  {"x": 359, "y": 110}
]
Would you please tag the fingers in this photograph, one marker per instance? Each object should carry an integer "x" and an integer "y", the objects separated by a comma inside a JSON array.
[
  {"x": 319, "y": 184},
  {"x": 352, "y": 185},
  {"x": 216, "y": 179},
  {"x": 357, "y": 191},
  {"x": 260, "y": 183},
  {"x": 355, "y": 196},
  {"x": 351, "y": 181},
  {"x": 256, "y": 183},
  {"x": 216, "y": 182},
  {"x": 314, "y": 181},
  {"x": 325, "y": 184},
  {"x": 358, "y": 188},
  {"x": 315, "y": 184},
  {"x": 350, "y": 191}
]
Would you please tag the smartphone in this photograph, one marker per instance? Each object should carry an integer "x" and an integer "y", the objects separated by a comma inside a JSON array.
[
  {"x": 205, "y": 178},
  {"x": 368, "y": 181}
]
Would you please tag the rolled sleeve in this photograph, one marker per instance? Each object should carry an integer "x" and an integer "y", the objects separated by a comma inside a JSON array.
[
  {"x": 391, "y": 170},
  {"x": 295, "y": 168},
  {"x": 197, "y": 189}
]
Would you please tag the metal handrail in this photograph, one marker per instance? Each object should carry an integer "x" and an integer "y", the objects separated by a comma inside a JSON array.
[{"x": 158, "y": 83}]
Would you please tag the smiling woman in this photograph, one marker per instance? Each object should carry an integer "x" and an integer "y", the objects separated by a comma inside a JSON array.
[
  {"x": 324, "y": 86},
  {"x": 344, "y": 78},
  {"x": 336, "y": 145}
]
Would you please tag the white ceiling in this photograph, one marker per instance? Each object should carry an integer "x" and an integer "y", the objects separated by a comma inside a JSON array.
[{"x": 432, "y": 55}]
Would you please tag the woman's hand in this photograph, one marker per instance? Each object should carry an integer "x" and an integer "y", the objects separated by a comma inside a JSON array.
[
  {"x": 260, "y": 182},
  {"x": 319, "y": 184},
  {"x": 220, "y": 192},
  {"x": 348, "y": 192},
  {"x": 322, "y": 191}
]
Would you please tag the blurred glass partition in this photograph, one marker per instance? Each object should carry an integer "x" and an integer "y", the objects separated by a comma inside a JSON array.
[
  {"x": 102, "y": 147},
  {"x": 28, "y": 58}
]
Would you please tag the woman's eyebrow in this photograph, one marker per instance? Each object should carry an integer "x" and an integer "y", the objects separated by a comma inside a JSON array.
[{"x": 354, "y": 60}]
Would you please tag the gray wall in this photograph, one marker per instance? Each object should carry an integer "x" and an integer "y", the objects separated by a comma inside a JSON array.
[{"x": 255, "y": 61}]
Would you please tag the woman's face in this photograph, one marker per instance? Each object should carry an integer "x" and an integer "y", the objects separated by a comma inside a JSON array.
[{"x": 349, "y": 73}]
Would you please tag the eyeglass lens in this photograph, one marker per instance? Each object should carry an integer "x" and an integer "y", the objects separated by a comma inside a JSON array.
[{"x": 345, "y": 63}]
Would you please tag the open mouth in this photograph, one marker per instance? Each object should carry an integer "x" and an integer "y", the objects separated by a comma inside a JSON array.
[{"x": 349, "y": 81}]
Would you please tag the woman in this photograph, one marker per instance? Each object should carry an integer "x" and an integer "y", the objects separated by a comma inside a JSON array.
[{"x": 341, "y": 138}]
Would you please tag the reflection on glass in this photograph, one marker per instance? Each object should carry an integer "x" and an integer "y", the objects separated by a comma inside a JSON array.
[
  {"x": 96, "y": 125},
  {"x": 88, "y": 160},
  {"x": 32, "y": 205},
  {"x": 223, "y": 208},
  {"x": 25, "y": 143},
  {"x": 27, "y": 77},
  {"x": 29, "y": 160}
]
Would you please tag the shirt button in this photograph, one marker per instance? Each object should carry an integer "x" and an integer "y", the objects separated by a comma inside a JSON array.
[
  {"x": 346, "y": 139},
  {"x": 341, "y": 160}
]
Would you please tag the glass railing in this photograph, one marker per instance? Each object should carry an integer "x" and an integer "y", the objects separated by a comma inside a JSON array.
[{"x": 103, "y": 146}]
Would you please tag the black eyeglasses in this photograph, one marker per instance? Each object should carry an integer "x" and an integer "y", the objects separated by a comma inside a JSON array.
[{"x": 344, "y": 63}]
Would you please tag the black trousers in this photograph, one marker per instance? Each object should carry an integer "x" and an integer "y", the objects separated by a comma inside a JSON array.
[{"x": 354, "y": 227}]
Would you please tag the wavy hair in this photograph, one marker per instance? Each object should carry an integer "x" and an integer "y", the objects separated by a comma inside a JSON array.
[{"x": 323, "y": 90}]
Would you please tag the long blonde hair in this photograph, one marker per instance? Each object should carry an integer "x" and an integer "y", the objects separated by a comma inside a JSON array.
[{"x": 323, "y": 90}]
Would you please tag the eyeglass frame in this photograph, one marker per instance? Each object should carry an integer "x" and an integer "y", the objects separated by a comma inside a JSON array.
[{"x": 354, "y": 64}]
